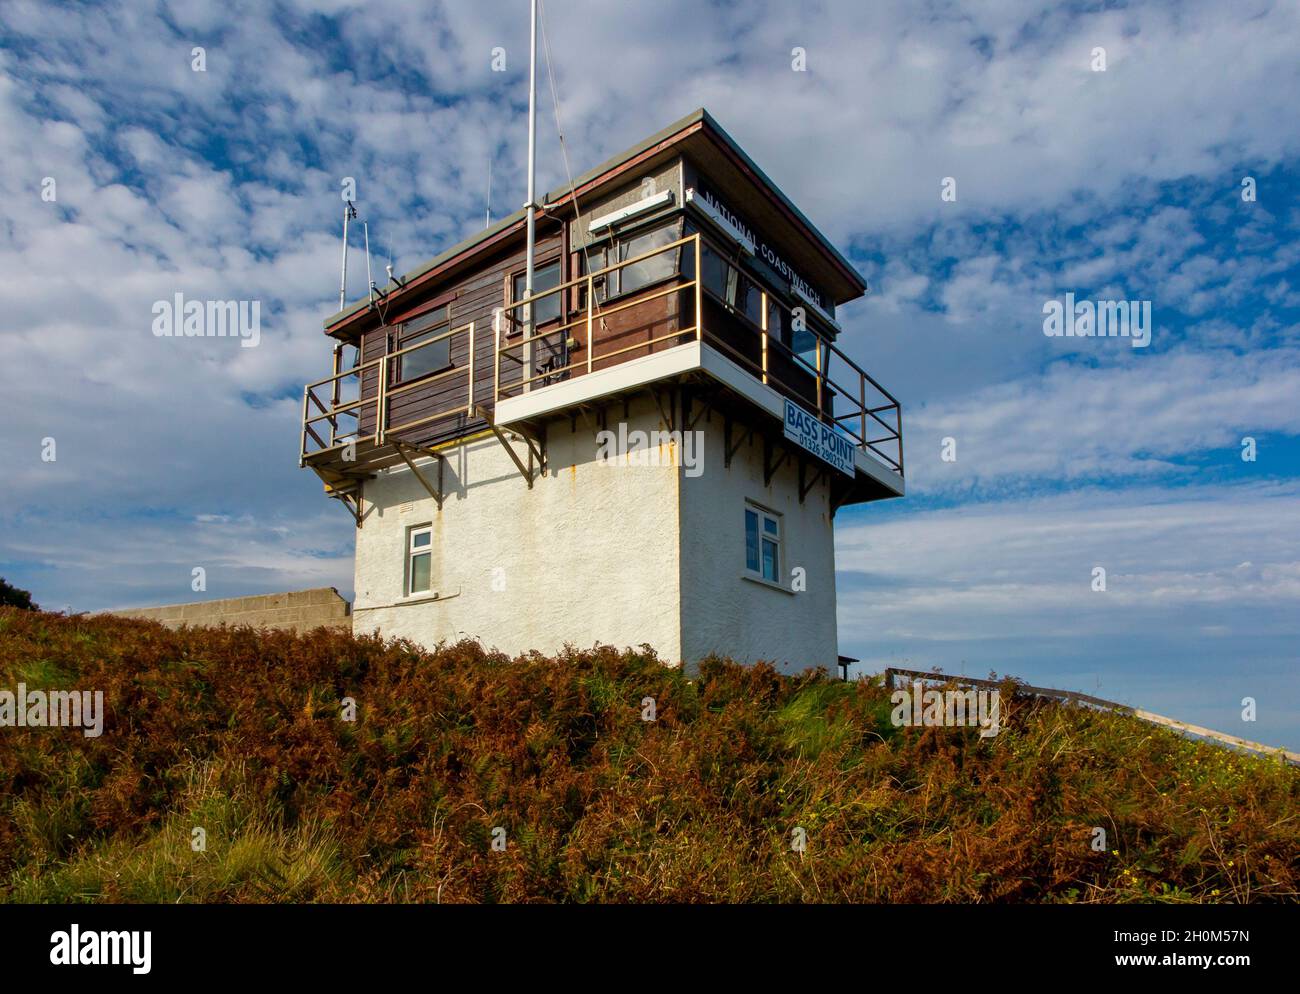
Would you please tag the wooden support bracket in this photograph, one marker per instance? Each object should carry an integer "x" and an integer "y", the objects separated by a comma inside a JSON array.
[
  {"x": 536, "y": 452},
  {"x": 437, "y": 493},
  {"x": 770, "y": 467},
  {"x": 354, "y": 505},
  {"x": 688, "y": 405},
  {"x": 806, "y": 488},
  {"x": 665, "y": 413},
  {"x": 730, "y": 450}
]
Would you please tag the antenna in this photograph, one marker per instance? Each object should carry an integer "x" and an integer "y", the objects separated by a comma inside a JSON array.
[
  {"x": 348, "y": 212},
  {"x": 487, "y": 221},
  {"x": 389, "y": 268}
]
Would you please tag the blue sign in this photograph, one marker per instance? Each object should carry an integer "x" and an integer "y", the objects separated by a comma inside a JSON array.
[{"x": 819, "y": 438}]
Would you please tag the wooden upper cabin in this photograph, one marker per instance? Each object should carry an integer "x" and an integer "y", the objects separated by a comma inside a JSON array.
[{"x": 683, "y": 270}]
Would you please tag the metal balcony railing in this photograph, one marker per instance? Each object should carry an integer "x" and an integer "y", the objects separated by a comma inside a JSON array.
[
  {"x": 527, "y": 357},
  {"x": 377, "y": 409},
  {"x": 846, "y": 397}
]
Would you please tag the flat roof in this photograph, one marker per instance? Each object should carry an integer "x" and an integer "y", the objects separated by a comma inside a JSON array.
[{"x": 699, "y": 116}]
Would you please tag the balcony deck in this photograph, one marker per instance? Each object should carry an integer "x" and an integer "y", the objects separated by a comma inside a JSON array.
[{"x": 674, "y": 331}]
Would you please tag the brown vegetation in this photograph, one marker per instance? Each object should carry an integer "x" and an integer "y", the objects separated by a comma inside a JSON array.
[{"x": 240, "y": 733}]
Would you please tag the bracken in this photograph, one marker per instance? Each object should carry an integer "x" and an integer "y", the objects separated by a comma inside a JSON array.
[{"x": 240, "y": 733}]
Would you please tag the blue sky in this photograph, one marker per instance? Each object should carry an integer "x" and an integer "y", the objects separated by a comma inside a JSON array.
[{"x": 1071, "y": 453}]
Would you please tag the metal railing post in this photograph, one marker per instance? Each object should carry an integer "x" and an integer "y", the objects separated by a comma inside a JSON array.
[
  {"x": 334, "y": 394},
  {"x": 497, "y": 321},
  {"x": 818, "y": 346},
  {"x": 382, "y": 418},
  {"x": 763, "y": 296},
  {"x": 302, "y": 449},
  {"x": 699, "y": 300},
  {"x": 862, "y": 398},
  {"x": 469, "y": 400},
  {"x": 591, "y": 307},
  {"x": 898, "y": 414}
]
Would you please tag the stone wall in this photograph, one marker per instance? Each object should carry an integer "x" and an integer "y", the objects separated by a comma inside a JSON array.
[{"x": 300, "y": 610}]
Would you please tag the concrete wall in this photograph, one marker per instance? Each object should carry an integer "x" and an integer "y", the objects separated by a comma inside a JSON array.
[
  {"x": 620, "y": 554},
  {"x": 300, "y": 610},
  {"x": 723, "y": 610},
  {"x": 589, "y": 555}
]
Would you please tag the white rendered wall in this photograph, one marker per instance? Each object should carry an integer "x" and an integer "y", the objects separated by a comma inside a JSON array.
[
  {"x": 589, "y": 555},
  {"x": 613, "y": 554},
  {"x": 726, "y": 613}
]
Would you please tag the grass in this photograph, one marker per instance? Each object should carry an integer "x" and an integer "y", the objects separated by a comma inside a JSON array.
[{"x": 241, "y": 734}]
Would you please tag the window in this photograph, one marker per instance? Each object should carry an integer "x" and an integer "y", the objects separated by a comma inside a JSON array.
[
  {"x": 545, "y": 277},
  {"x": 778, "y": 322},
  {"x": 762, "y": 543},
  {"x": 717, "y": 275},
  {"x": 806, "y": 344},
  {"x": 592, "y": 259},
  {"x": 639, "y": 275},
  {"x": 651, "y": 269},
  {"x": 430, "y": 358},
  {"x": 749, "y": 300},
  {"x": 738, "y": 290},
  {"x": 419, "y": 559}
]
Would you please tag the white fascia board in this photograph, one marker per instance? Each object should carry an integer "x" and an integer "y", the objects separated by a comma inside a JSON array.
[
  {"x": 720, "y": 222},
  {"x": 798, "y": 292},
  {"x": 568, "y": 394},
  {"x": 631, "y": 210}
]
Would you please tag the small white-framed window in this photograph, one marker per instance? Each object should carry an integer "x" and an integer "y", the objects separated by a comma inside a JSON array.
[
  {"x": 419, "y": 559},
  {"x": 762, "y": 543}
]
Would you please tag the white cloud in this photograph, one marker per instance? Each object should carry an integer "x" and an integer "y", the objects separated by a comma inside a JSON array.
[
  {"x": 1025, "y": 566},
  {"x": 1134, "y": 415}
]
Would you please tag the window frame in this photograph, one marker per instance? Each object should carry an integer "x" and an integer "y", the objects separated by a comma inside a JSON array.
[
  {"x": 611, "y": 244},
  {"x": 515, "y": 324},
  {"x": 622, "y": 242},
  {"x": 412, "y": 551},
  {"x": 404, "y": 337},
  {"x": 764, "y": 515}
]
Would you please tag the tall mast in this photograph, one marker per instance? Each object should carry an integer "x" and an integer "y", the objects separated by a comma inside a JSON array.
[
  {"x": 532, "y": 164},
  {"x": 343, "y": 278}
]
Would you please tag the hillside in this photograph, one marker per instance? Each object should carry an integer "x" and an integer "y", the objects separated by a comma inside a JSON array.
[{"x": 240, "y": 733}]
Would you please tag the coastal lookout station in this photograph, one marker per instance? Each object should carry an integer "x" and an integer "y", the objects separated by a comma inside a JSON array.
[{"x": 651, "y": 448}]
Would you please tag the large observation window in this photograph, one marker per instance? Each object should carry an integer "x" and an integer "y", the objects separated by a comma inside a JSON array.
[{"x": 429, "y": 358}]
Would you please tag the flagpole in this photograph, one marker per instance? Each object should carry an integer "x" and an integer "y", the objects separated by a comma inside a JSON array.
[{"x": 532, "y": 166}]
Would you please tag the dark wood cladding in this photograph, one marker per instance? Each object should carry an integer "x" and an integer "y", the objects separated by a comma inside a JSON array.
[
  {"x": 631, "y": 332},
  {"x": 473, "y": 299},
  {"x": 622, "y": 330}
]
